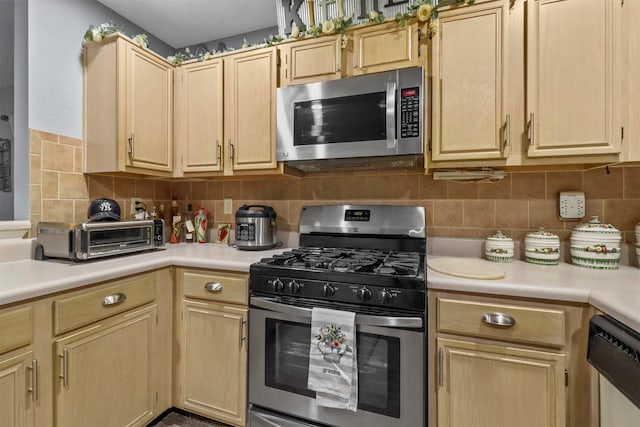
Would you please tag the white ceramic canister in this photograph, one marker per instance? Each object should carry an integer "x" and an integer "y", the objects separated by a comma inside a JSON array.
[
  {"x": 542, "y": 247},
  {"x": 596, "y": 245},
  {"x": 499, "y": 248}
]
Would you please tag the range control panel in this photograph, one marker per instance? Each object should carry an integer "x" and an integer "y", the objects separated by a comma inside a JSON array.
[{"x": 410, "y": 112}]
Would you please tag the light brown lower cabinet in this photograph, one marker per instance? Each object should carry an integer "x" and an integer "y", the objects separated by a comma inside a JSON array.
[
  {"x": 16, "y": 405},
  {"x": 210, "y": 351},
  {"x": 498, "y": 361}
]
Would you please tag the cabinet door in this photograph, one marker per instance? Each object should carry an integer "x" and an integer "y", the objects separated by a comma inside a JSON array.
[
  {"x": 149, "y": 106},
  {"x": 631, "y": 91},
  {"x": 213, "y": 361},
  {"x": 105, "y": 373},
  {"x": 385, "y": 47},
  {"x": 573, "y": 77},
  {"x": 250, "y": 81},
  {"x": 311, "y": 60},
  {"x": 469, "y": 91},
  {"x": 16, "y": 407},
  {"x": 199, "y": 115},
  {"x": 491, "y": 385}
]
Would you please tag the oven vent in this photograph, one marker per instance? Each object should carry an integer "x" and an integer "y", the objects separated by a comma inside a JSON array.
[{"x": 621, "y": 346}]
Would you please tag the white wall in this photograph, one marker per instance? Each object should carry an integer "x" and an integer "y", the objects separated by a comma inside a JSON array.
[{"x": 56, "y": 31}]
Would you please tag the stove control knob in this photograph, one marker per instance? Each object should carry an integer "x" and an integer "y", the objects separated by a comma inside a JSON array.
[
  {"x": 328, "y": 291},
  {"x": 385, "y": 296},
  {"x": 276, "y": 285},
  {"x": 293, "y": 287},
  {"x": 364, "y": 294}
]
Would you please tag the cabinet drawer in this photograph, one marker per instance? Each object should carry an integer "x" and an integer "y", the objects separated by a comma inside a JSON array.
[
  {"x": 537, "y": 325},
  {"x": 223, "y": 287},
  {"x": 16, "y": 328},
  {"x": 91, "y": 306}
]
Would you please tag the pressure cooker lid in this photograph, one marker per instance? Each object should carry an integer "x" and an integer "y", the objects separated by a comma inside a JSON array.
[{"x": 262, "y": 211}]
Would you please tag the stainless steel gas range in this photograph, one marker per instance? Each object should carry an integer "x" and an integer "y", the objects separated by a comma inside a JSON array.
[{"x": 363, "y": 259}]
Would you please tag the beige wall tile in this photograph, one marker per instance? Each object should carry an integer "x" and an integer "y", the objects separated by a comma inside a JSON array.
[
  {"x": 432, "y": 189},
  {"x": 50, "y": 185},
  {"x": 598, "y": 184},
  {"x": 479, "y": 213},
  {"x": 563, "y": 181},
  {"x": 44, "y": 136},
  {"x": 631, "y": 182},
  {"x": 594, "y": 207},
  {"x": 544, "y": 213},
  {"x": 35, "y": 143},
  {"x": 214, "y": 190},
  {"x": 232, "y": 189},
  {"x": 405, "y": 187},
  {"x": 512, "y": 214},
  {"x": 528, "y": 185},
  {"x": 67, "y": 140},
  {"x": 199, "y": 190},
  {"x": 466, "y": 232},
  {"x": 57, "y": 157},
  {"x": 73, "y": 186},
  {"x": 145, "y": 189},
  {"x": 495, "y": 190},
  {"x": 77, "y": 160},
  {"x": 287, "y": 189},
  {"x": 35, "y": 169},
  {"x": 457, "y": 190},
  {"x": 624, "y": 214},
  {"x": 124, "y": 188},
  {"x": 35, "y": 198},
  {"x": 57, "y": 210},
  {"x": 100, "y": 186},
  {"x": 448, "y": 213},
  {"x": 162, "y": 190}
]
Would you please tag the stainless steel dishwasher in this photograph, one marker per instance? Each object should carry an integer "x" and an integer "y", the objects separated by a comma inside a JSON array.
[{"x": 614, "y": 350}]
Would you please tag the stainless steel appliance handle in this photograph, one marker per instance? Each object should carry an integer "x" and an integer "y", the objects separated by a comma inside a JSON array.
[
  {"x": 361, "y": 319},
  {"x": 390, "y": 114}
]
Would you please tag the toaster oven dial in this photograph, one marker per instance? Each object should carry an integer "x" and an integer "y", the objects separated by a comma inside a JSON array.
[{"x": 364, "y": 294}]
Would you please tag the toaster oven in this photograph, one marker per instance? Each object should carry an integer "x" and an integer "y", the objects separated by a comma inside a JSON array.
[{"x": 85, "y": 241}]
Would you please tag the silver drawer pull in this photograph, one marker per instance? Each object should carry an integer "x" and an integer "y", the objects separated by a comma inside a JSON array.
[
  {"x": 114, "y": 299},
  {"x": 498, "y": 319},
  {"x": 213, "y": 286}
]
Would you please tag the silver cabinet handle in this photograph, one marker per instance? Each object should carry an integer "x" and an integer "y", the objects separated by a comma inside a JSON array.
[
  {"x": 132, "y": 141},
  {"x": 65, "y": 367},
  {"x": 114, "y": 299},
  {"x": 231, "y": 153},
  {"x": 34, "y": 380},
  {"x": 213, "y": 286},
  {"x": 218, "y": 151},
  {"x": 531, "y": 128},
  {"x": 507, "y": 131},
  {"x": 242, "y": 337},
  {"x": 498, "y": 319}
]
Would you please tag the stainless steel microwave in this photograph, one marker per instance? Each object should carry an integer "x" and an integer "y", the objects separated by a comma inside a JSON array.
[{"x": 366, "y": 116}]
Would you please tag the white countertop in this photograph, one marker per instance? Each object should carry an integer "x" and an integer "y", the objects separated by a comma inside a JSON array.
[{"x": 615, "y": 292}]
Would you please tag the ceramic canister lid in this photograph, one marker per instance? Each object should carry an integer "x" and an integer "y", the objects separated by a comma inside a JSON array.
[
  {"x": 595, "y": 226},
  {"x": 499, "y": 236},
  {"x": 542, "y": 234}
]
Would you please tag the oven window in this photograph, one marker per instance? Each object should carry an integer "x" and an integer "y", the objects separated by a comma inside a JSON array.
[
  {"x": 341, "y": 119},
  {"x": 287, "y": 361}
]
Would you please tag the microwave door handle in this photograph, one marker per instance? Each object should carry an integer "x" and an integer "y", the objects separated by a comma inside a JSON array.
[
  {"x": 391, "y": 116},
  {"x": 361, "y": 319}
]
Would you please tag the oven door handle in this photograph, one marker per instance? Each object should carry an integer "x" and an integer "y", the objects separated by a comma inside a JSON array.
[{"x": 361, "y": 319}]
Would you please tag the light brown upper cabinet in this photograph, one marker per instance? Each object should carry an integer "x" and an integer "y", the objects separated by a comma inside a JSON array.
[
  {"x": 199, "y": 116},
  {"x": 250, "y": 80},
  {"x": 573, "y": 77},
  {"x": 470, "y": 120},
  {"x": 226, "y": 115},
  {"x": 631, "y": 90},
  {"x": 310, "y": 60},
  {"x": 128, "y": 109},
  {"x": 385, "y": 47}
]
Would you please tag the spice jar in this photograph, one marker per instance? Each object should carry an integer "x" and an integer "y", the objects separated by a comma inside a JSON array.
[
  {"x": 596, "y": 245},
  {"x": 499, "y": 248},
  {"x": 542, "y": 247}
]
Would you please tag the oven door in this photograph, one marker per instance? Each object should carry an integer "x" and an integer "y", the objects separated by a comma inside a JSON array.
[{"x": 390, "y": 367}]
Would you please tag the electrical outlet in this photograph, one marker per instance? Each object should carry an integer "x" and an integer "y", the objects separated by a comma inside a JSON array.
[
  {"x": 572, "y": 204},
  {"x": 134, "y": 204},
  {"x": 228, "y": 206}
]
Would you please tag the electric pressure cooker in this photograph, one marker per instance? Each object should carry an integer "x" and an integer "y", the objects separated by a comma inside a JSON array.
[{"x": 255, "y": 227}]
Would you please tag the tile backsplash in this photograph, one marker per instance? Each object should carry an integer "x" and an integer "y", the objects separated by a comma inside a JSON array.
[{"x": 521, "y": 202}]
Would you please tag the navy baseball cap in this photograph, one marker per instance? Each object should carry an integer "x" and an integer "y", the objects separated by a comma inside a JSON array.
[{"x": 103, "y": 210}]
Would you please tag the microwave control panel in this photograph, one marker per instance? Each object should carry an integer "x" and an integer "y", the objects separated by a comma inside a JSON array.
[{"x": 410, "y": 112}]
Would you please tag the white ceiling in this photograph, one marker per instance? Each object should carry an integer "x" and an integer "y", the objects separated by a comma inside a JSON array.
[{"x": 181, "y": 23}]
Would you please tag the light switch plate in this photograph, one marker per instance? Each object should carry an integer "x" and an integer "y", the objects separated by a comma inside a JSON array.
[
  {"x": 572, "y": 204},
  {"x": 228, "y": 206}
]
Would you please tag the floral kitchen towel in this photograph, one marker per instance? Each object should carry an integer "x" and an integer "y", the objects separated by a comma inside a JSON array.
[{"x": 333, "y": 368}]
